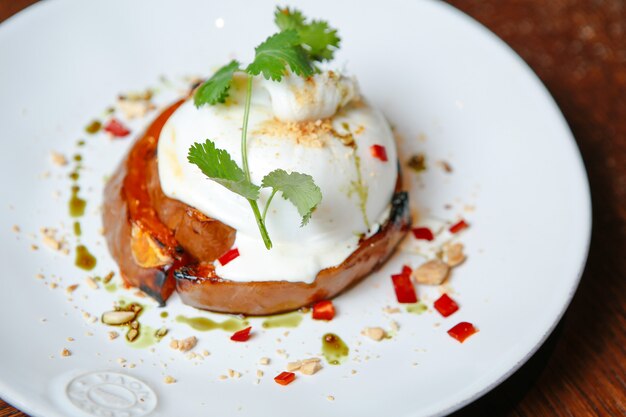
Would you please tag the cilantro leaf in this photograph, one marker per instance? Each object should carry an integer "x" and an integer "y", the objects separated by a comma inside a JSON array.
[
  {"x": 217, "y": 165},
  {"x": 299, "y": 189},
  {"x": 318, "y": 39},
  {"x": 279, "y": 51},
  {"x": 288, "y": 18},
  {"x": 215, "y": 89}
]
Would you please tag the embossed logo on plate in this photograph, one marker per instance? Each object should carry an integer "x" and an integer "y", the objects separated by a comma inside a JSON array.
[{"x": 111, "y": 394}]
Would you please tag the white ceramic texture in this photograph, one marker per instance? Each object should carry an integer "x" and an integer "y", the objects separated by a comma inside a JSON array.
[{"x": 451, "y": 89}]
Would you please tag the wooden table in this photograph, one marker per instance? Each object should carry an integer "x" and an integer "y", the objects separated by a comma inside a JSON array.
[{"x": 578, "y": 48}]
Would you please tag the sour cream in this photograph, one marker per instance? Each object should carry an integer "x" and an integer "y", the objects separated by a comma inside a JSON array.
[{"x": 320, "y": 127}]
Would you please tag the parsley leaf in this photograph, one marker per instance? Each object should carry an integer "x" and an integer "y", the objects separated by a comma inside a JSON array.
[
  {"x": 217, "y": 165},
  {"x": 279, "y": 50},
  {"x": 299, "y": 189},
  {"x": 215, "y": 89},
  {"x": 318, "y": 39}
]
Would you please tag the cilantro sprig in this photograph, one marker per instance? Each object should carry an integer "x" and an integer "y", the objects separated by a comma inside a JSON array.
[{"x": 297, "y": 47}]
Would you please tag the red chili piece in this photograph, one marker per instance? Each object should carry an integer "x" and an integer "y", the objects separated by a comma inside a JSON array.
[
  {"x": 405, "y": 292},
  {"x": 228, "y": 256},
  {"x": 241, "y": 335},
  {"x": 462, "y": 331},
  {"x": 423, "y": 233},
  {"x": 324, "y": 310},
  {"x": 379, "y": 152},
  {"x": 285, "y": 378},
  {"x": 458, "y": 226},
  {"x": 116, "y": 128},
  {"x": 446, "y": 305}
]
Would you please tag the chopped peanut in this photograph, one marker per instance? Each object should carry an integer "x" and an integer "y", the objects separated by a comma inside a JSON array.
[
  {"x": 374, "y": 333},
  {"x": 432, "y": 272},
  {"x": 453, "y": 254}
]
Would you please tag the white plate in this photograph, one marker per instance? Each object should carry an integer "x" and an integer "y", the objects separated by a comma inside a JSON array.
[{"x": 437, "y": 75}]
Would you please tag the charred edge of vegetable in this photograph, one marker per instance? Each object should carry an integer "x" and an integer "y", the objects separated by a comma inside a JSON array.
[
  {"x": 400, "y": 212},
  {"x": 159, "y": 288}
]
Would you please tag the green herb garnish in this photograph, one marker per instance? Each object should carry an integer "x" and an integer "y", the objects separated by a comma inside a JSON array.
[{"x": 297, "y": 47}]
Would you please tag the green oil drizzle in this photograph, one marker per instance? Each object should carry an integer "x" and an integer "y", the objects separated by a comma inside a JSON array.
[
  {"x": 204, "y": 324},
  {"x": 111, "y": 287},
  {"x": 93, "y": 127},
  {"x": 78, "y": 157},
  {"x": 77, "y": 204},
  {"x": 84, "y": 259},
  {"x": 417, "y": 308},
  {"x": 77, "y": 229},
  {"x": 334, "y": 349},
  {"x": 289, "y": 320},
  {"x": 164, "y": 314}
]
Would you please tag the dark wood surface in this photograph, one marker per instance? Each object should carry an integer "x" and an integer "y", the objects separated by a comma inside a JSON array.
[{"x": 578, "y": 49}]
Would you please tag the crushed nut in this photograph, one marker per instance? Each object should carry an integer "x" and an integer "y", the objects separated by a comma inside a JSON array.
[
  {"x": 70, "y": 289},
  {"x": 374, "y": 333},
  {"x": 132, "y": 335},
  {"x": 330, "y": 398},
  {"x": 116, "y": 318},
  {"x": 259, "y": 373},
  {"x": 391, "y": 310},
  {"x": 58, "y": 158},
  {"x": 205, "y": 352},
  {"x": 66, "y": 352},
  {"x": 184, "y": 345},
  {"x": 294, "y": 366},
  {"x": 91, "y": 283},
  {"x": 134, "y": 106},
  {"x": 16, "y": 228},
  {"x": 453, "y": 254},
  {"x": 169, "y": 379},
  {"x": 113, "y": 335},
  {"x": 234, "y": 374},
  {"x": 394, "y": 326},
  {"x": 161, "y": 333},
  {"x": 433, "y": 272},
  {"x": 264, "y": 361},
  {"x": 445, "y": 166},
  {"x": 40, "y": 276},
  {"x": 310, "y": 367},
  {"x": 70, "y": 339},
  {"x": 107, "y": 278}
]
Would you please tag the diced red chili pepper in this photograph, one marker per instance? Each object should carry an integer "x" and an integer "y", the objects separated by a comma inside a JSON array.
[
  {"x": 116, "y": 128},
  {"x": 446, "y": 305},
  {"x": 228, "y": 256},
  {"x": 462, "y": 331},
  {"x": 458, "y": 226},
  {"x": 379, "y": 152},
  {"x": 406, "y": 270},
  {"x": 405, "y": 292},
  {"x": 241, "y": 335},
  {"x": 423, "y": 233},
  {"x": 324, "y": 310},
  {"x": 285, "y": 378}
]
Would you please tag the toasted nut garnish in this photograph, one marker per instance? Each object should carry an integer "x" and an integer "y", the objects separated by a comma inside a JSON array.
[
  {"x": 108, "y": 277},
  {"x": 294, "y": 366},
  {"x": 66, "y": 352},
  {"x": 169, "y": 379},
  {"x": 115, "y": 318},
  {"x": 453, "y": 253},
  {"x": 113, "y": 335},
  {"x": 264, "y": 361},
  {"x": 161, "y": 333},
  {"x": 132, "y": 335},
  {"x": 311, "y": 367},
  {"x": 70, "y": 289},
  {"x": 91, "y": 283},
  {"x": 374, "y": 333},
  {"x": 58, "y": 158},
  {"x": 184, "y": 345},
  {"x": 432, "y": 272}
]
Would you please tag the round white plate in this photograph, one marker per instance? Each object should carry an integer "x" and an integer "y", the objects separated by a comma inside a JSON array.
[{"x": 451, "y": 89}]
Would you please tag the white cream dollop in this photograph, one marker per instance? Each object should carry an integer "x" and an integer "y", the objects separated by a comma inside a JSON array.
[
  {"x": 296, "y": 99},
  {"x": 312, "y": 145}
]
